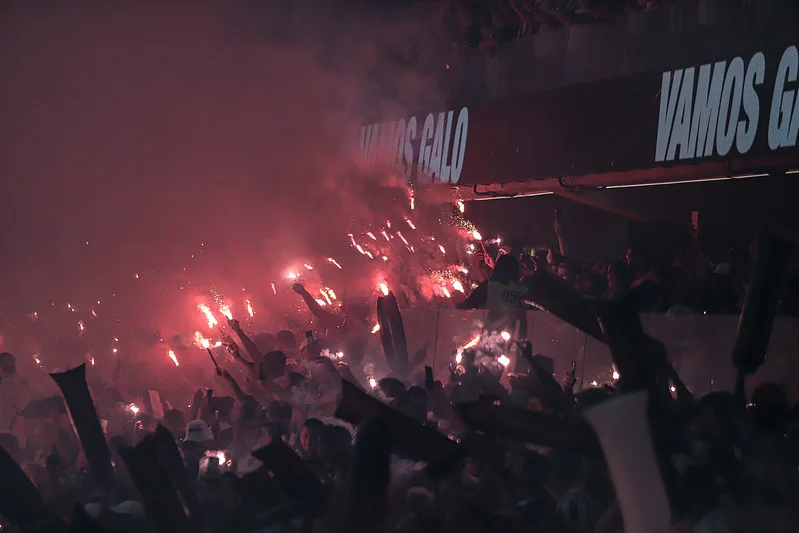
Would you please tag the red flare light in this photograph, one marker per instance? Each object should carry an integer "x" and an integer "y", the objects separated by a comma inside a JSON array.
[
  {"x": 325, "y": 296},
  {"x": 209, "y": 316},
  {"x": 471, "y": 344},
  {"x": 201, "y": 341},
  {"x": 225, "y": 310}
]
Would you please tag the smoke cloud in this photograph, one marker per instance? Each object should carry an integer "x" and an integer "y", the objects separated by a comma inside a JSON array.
[{"x": 151, "y": 151}]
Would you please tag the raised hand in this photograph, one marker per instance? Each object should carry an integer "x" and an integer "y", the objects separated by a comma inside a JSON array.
[{"x": 234, "y": 324}]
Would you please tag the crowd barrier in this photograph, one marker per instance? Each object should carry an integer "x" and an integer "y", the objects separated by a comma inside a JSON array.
[{"x": 699, "y": 346}]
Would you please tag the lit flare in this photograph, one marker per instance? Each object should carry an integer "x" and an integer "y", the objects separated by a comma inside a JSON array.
[
  {"x": 209, "y": 316},
  {"x": 225, "y": 310},
  {"x": 471, "y": 344},
  {"x": 399, "y": 234}
]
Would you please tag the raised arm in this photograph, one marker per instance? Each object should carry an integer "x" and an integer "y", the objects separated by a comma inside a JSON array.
[
  {"x": 326, "y": 319},
  {"x": 476, "y": 299},
  {"x": 253, "y": 352}
]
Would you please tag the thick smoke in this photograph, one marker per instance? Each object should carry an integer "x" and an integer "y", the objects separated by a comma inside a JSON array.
[{"x": 151, "y": 151}]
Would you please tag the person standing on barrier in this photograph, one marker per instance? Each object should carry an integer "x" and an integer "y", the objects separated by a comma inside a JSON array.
[{"x": 502, "y": 297}]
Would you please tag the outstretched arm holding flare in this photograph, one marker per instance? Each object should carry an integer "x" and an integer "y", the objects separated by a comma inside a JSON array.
[
  {"x": 326, "y": 319},
  {"x": 252, "y": 350},
  {"x": 240, "y": 395}
]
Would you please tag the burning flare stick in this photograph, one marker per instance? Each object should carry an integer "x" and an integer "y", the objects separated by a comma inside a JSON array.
[
  {"x": 225, "y": 310},
  {"x": 209, "y": 316},
  {"x": 213, "y": 360},
  {"x": 399, "y": 234},
  {"x": 471, "y": 344},
  {"x": 325, "y": 296}
]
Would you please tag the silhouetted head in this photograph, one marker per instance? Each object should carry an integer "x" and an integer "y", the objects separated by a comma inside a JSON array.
[
  {"x": 286, "y": 340},
  {"x": 275, "y": 363},
  {"x": 280, "y": 411},
  {"x": 391, "y": 388},
  {"x": 265, "y": 342},
  {"x": 506, "y": 270},
  {"x": 8, "y": 364}
]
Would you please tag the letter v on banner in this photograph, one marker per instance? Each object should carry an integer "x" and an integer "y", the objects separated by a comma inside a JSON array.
[{"x": 669, "y": 92}]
